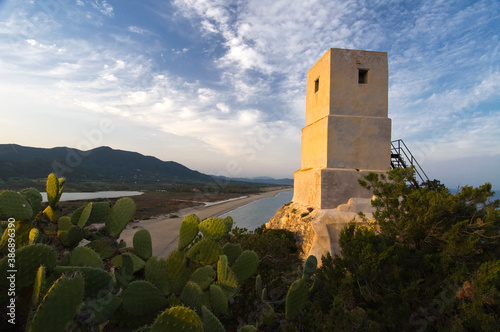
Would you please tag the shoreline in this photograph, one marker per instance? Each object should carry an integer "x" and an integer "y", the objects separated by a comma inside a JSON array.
[{"x": 165, "y": 231}]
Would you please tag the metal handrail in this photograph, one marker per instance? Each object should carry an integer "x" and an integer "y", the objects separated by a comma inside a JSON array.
[{"x": 404, "y": 155}]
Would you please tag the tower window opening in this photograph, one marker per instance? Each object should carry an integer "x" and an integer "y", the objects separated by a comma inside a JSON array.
[
  {"x": 362, "y": 76},
  {"x": 316, "y": 85}
]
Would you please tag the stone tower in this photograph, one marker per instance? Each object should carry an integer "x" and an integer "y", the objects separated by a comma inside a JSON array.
[{"x": 347, "y": 132}]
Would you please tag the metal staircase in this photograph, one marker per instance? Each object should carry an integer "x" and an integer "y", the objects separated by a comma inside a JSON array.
[{"x": 402, "y": 157}]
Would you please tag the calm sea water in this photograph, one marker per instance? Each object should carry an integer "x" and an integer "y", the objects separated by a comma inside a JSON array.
[
  {"x": 93, "y": 195},
  {"x": 257, "y": 213}
]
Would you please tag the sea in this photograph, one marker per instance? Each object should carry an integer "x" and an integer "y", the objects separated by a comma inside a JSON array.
[{"x": 255, "y": 214}]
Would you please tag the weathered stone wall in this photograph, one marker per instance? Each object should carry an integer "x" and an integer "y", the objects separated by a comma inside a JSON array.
[{"x": 317, "y": 230}]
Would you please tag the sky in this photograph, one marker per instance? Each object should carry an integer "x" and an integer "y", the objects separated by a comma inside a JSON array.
[{"x": 219, "y": 86}]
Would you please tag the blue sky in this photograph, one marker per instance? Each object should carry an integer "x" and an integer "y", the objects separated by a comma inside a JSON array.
[{"x": 219, "y": 86}]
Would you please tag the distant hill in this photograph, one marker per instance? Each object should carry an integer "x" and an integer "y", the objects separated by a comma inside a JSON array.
[
  {"x": 99, "y": 164},
  {"x": 262, "y": 180}
]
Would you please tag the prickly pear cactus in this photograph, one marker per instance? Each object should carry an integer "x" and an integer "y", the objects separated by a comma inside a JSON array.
[
  {"x": 211, "y": 322},
  {"x": 226, "y": 279},
  {"x": 99, "y": 212},
  {"x": 245, "y": 265},
  {"x": 34, "y": 236},
  {"x": 34, "y": 198},
  {"x": 178, "y": 319},
  {"x": 119, "y": 216},
  {"x": 310, "y": 267},
  {"x": 38, "y": 286},
  {"x": 54, "y": 189},
  {"x": 188, "y": 230},
  {"x": 98, "y": 311},
  {"x": 105, "y": 247},
  {"x": 96, "y": 280},
  {"x": 143, "y": 246},
  {"x": 218, "y": 300},
  {"x": 137, "y": 263},
  {"x": 84, "y": 256},
  {"x": 59, "y": 305},
  {"x": 296, "y": 298},
  {"x": 84, "y": 216},
  {"x": 141, "y": 297},
  {"x": 206, "y": 251},
  {"x": 203, "y": 276},
  {"x": 192, "y": 296},
  {"x": 28, "y": 260},
  {"x": 70, "y": 237},
  {"x": 14, "y": 205},
  {"x": 156, "y": 272},
  {"x": 229, "y": 224},
  {"x": 213, "y": 228},
  {"x": 232, "y": 251},
  {"x": 177, "y": 272},
  {"x": 247, "y": 328}
]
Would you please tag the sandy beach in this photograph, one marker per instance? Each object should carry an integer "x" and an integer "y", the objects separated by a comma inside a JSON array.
[{"x": 165, "y": 231}]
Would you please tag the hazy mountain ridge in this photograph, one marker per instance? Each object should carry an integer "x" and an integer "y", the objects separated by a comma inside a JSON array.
[{"x": 102, "y": 163}]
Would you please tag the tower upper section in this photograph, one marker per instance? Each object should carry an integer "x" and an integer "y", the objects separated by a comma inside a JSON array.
[{"x": 348, "y": 83}]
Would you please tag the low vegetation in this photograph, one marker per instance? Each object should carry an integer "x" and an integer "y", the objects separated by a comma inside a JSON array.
[{"x": 428, "y": 260}]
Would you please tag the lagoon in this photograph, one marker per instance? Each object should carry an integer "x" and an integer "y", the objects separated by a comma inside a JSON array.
[
  {"x": 93, "y": 195},
  {"x": 256, "y": 214}
]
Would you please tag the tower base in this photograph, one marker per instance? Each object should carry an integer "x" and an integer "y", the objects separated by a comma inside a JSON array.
[{"x": 327, "y": 188}]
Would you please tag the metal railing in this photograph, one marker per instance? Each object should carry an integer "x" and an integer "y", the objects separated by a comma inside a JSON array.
[{"x": 402, "y": 157}]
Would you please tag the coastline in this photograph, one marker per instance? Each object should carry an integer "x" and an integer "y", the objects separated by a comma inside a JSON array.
[{"x": 165, "y": 231}]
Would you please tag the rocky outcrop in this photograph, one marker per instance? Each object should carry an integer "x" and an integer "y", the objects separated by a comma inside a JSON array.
[{"x": 317, "y": 230}]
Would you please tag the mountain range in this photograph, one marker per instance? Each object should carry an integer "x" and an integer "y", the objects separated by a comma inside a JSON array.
[{"x": 99, "y": 164}]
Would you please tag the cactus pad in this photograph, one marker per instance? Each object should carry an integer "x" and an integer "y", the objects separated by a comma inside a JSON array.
[
  {"x": 206, "y": 251},
  {"x": 141, "y": 298},
  {"x": 229, "y": 223},
  {"x": 105, "y": 247},
  {"x": 218, "y": 300},
  {"x": 143, "y": 246},
  {"x": 247, "y": 328},
  {"x": 296, "y": 298},
  {"x": 70, "y": 237},
  {"x": 177, "y": 272},
  {"x": 99, "y": 212},
  {"x": 38, "y": 285},
  {"x": 188, "y": 230},
  {"x": 310, "y": 267},
  {"x": 245, "y": 265},
  {"x": 232, "y": 251},
  {"x": 100, "y": 310},
  {"x": 34, "y": 236},
  {"x": 192, "y": 296},
  {"x": 28, "y": 260},
  {"x": 137, "y": 263},
  {"x": 156, "y": 272},
  {"x": 59, "y": 305},
  {"x": 53, "y": 190},
  {"x": 84, "y": 256},
  {"x": 75, "y": 216},
  {"x": 84, "y": 216},
  {"x": 34, "y": 199},
  {"x": 178, "y": 319},
  {"x": 119, "y": 216},
  {"x": 203, "y": 276},
  {"x": 14, "y": 205},
  {"x": 52, "y": 213},
  {"x": 96, "y": 280},
  {"x": 213, "y": 228},
  {"x": 211, "y": 322}
]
